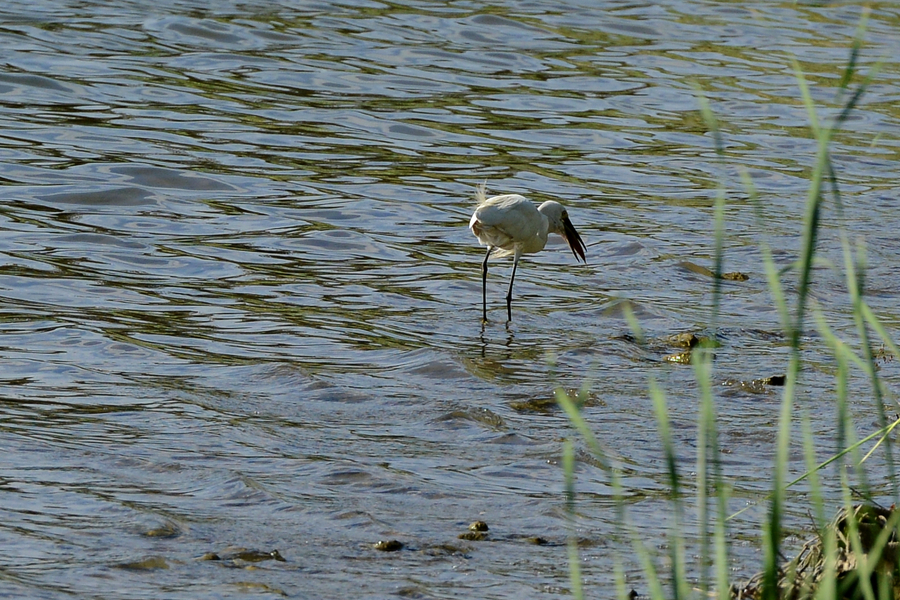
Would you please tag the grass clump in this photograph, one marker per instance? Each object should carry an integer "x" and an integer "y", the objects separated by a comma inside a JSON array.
[{"x": 855, "y": 557}]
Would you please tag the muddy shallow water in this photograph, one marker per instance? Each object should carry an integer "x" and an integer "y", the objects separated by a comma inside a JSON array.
[{"x": 240, "y": 307}]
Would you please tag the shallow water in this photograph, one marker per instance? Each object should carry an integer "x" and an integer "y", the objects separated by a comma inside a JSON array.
[{"x": 241, "y": 307}]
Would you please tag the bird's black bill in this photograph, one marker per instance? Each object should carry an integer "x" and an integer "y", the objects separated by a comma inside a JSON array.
[{"x": 573, "y": 239}]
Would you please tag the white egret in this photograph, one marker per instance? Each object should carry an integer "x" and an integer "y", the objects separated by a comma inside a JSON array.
[{"x": 513, "y": 225}]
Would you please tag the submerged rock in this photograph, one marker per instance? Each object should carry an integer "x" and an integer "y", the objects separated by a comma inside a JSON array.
[
  {"x": 253, "y": 555},
  {"x": 755, "y": 386},
  {"x": 388, "y": 545},
  {"x": 479, "y": 526},
  {"x": 683, "y": 340},
  {"x": 148, "y": 564},
  {"x": 681, "y": 358},
  {"x": 236, "y": 556},
  {"x": 166, "y": 530},
  {"x": 700, "y": 270}
]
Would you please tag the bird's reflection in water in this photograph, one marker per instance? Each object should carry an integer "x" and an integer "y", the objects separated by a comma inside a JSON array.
[{"x": 484, "y": 343}]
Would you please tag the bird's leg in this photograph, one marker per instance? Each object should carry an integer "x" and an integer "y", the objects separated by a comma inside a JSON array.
[
  {"x": 484, "y": 268},
  {"x": 509, "y": 291}
]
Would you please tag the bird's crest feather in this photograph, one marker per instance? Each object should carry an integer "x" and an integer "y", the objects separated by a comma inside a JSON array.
[{"x": 481, "y": 192}]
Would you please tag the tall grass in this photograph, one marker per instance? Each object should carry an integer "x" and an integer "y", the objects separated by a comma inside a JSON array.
[{"x": 794, "y": 314}]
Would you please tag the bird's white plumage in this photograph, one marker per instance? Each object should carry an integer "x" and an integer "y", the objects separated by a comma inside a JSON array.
[{"x": 511, "y": 225}]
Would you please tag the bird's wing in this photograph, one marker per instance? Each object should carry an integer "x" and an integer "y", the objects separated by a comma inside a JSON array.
[{"x": 511, "y": 215}]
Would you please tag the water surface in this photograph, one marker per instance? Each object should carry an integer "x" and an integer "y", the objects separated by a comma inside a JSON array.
[{"x": 241, "y": 307}]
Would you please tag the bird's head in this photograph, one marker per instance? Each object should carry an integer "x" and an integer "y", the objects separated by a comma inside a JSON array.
[{"x": 559, "y": 223}]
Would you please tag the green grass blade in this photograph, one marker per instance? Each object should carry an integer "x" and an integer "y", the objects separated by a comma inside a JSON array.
[
  {"x": 676, "y": 539},
  {"x": 858, "y": 40},
  {"x": 584, "y": 430},
  {"x": 812, "y": 470},
  {"x": 772, "y": 273},
  {"x": 852, "y": 263},
  {"x": 723, "y": 570},
  {"x": 875, "y": 324},
  {"x": 568, "y": 456},
  {"x": 709, "y": 118},
  {"x": 633, "y": 323}
]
